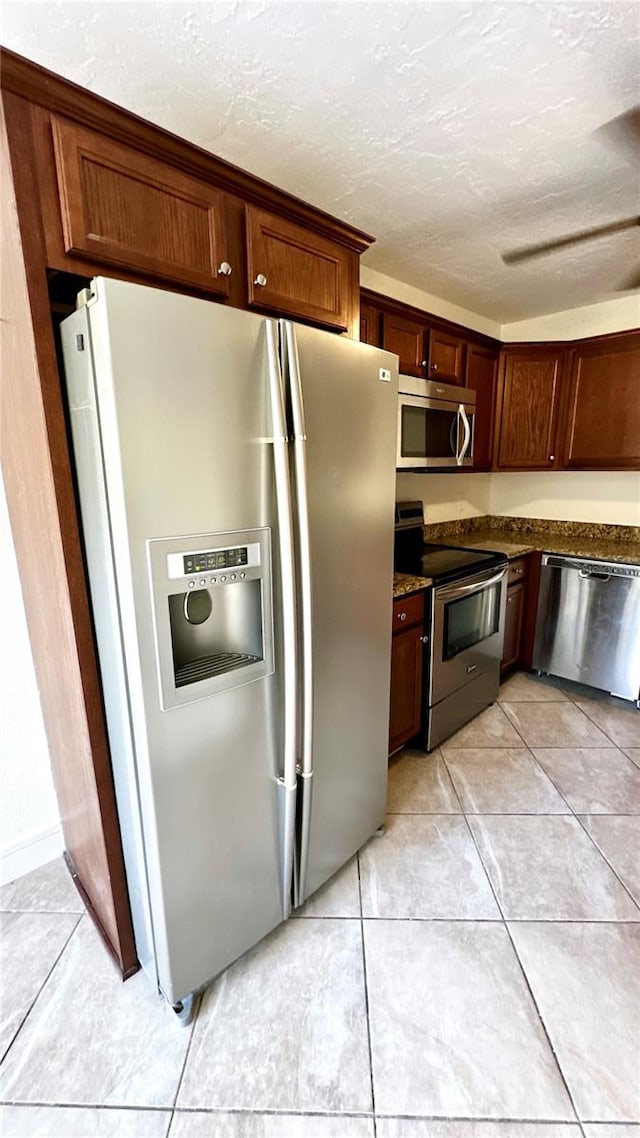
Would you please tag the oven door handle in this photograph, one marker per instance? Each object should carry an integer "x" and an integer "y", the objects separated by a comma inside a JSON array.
[{"x": 450, "y": 592}]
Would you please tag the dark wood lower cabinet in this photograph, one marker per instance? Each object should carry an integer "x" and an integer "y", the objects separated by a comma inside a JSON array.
[
  {"x": 523, "y": 582},
  {"x": 406, "y": 670},
  {"x": 513, "y": 626}
]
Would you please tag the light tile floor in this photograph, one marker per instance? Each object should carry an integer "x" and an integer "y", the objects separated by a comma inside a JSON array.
[{"x": 475, "y": 973}]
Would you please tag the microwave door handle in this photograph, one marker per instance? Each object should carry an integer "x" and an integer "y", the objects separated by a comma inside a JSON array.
[
  {"x": 467, "y": 434},
  {"x": 287, "y": 776},
  {"x": 455, "y": 426}
]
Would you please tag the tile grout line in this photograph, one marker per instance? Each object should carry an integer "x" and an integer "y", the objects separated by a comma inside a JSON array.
[
  {"x": 172, "y": 1108},
  {"x": 519, "y": 962},
  {"x": 42, "y": 986},
  {"x": 607, "y": 862},
  {"x": 578, "y": 818},
  {"x": 366, "y": 998}
]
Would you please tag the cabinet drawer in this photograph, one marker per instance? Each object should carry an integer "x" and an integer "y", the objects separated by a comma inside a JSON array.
[
  {"x": 517, "y": 570},
  {"x": 408, "y": 611},
  {"x": 124, "y": 208},
  {"x": 297, "y": 272}
]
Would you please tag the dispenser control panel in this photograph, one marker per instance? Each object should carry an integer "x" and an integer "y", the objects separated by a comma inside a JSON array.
[{"x": 213, "y": 560}]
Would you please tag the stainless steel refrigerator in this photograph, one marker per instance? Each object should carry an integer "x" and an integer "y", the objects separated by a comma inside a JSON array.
[{"x": 236, "y": 482}]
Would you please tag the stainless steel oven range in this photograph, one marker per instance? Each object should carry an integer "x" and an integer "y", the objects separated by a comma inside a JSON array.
[{"x": 466, "y": 608}]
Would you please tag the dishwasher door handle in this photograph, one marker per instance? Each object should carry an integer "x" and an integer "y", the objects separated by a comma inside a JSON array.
[{"x": 588, "y": 574}]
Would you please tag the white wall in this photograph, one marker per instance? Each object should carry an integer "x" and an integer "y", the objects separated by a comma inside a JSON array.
[
  {"x": 446, "y": 496},
  {"x": 593, "y": 320},
  {"x": 572, "y": 495},
  {"x": 29, "y": 819},
  {"x": 407, "y": 294}
]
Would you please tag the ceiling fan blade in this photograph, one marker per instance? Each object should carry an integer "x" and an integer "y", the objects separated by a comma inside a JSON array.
[
  {"x": 623, "y": 132},
  {"x": 631, "y": 282},
  {"x": 527, "y": 252}
]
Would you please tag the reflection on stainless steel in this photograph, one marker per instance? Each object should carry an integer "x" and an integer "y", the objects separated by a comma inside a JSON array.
[
  {"x": 466, "y": 649},
  {"x": 435, "y": 425},
  {"x": 236, "y": 483},
  {"x": 465, "y": 616},
  {"x": 588, "y": 624}
]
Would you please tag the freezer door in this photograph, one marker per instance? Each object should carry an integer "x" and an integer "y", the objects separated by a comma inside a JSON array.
[
  {"x": 178, "y": 413},
  {"x": 343, "y": 402}
]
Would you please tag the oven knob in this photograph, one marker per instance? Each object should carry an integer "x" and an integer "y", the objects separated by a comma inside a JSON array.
[
  {"x": 242, "y": 575},
  {"x": 212, "y": 580},
  {"x": 223, "y": 578},
  {"x": 202, "y": 582},
  {"x": 232, "y": 577},
  {"x": 191, "y": 584}
]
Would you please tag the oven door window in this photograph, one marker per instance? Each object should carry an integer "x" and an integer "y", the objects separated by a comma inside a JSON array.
[
  {"x": 469, "y": 620},
  {"x": 427, "y": 433}
]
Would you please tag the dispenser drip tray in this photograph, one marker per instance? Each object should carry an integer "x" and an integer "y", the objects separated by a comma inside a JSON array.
[{"x": 204, "y": 667}]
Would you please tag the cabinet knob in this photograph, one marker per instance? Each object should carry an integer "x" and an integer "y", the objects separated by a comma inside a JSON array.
[
  {"x": 424, "y": 639},
  {"x": 225, "y": 269},
  {"x": 552, "y": 458},
  {"x": 260, "y": 280},
  {"x": 423, "y": 363},
  {"x": 402, "y": 616},
  {"x": 434, "y": 367}
]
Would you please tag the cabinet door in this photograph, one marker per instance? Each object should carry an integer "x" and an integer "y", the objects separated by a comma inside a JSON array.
[
  {"x": 407, "y": 339},
  {"x": 370, "y": 319},
  {"x": 603, "y": 419},
  {"x": 482, "y": 366},
  {"x": 446, "y": 357},
  {"x": 406, "y": 687},
  {"x": 297, "y": 272},
  {"x": 124, "y": 208},
  {"x": 513, "y": 626},
  {"x": 529, "y": 399}
]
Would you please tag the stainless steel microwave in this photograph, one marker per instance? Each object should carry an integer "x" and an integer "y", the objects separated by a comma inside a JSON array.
[{"x": 435, "y": 425}]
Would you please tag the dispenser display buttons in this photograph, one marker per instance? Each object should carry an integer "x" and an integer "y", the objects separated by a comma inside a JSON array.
[{"x": 215, "y": 559}]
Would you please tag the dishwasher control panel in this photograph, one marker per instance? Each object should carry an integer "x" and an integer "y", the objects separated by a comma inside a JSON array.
[{"x": 601, "y": 568}]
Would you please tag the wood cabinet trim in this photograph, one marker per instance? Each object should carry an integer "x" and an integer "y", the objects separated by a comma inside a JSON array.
[
  {"x": 42, "y": 508},
  {"x": 19, "y": 76}
]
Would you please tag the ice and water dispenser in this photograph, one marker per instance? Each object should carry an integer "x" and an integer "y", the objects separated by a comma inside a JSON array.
[{"x": 212, "y": 607}]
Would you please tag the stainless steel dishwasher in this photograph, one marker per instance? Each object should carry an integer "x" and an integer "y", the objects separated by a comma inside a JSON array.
[{"x": 588, "y": 625}]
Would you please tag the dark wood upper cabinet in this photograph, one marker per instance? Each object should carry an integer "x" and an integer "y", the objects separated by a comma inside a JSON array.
[
  {"x": 127, "y": 209},
  {"x": 370, "y": 324},
  {"x": 603, "y": 412},
  {"x": 407, "y": 339},
  {"x": 293, "y": 270},
  {"x": 528, "y": 409},
  {"x": 446, "y": 357},
  {"x": 481, "y": 376}
]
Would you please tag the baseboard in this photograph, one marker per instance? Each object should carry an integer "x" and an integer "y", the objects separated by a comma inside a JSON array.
[{"x": 31, "y": 853}]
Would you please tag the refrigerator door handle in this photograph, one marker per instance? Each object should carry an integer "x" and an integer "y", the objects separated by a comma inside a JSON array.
[
  {"x": 287, "y": 779},
  {"x": 306, "y": 621}
]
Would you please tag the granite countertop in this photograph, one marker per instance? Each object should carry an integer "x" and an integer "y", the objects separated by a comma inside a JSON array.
[
  {"x": 518, "y": 536},
  {"x": 404, "y": 583}
]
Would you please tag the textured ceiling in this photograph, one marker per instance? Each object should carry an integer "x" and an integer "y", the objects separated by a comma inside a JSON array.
[{"x": 451, "y": 131}]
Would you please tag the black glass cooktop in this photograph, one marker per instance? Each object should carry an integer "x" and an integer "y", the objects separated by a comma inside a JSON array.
[{"x": 443, "y": 562}]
